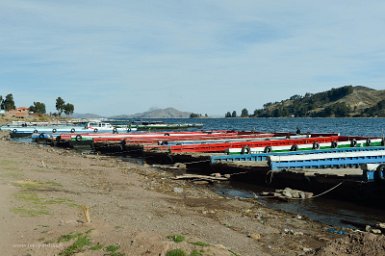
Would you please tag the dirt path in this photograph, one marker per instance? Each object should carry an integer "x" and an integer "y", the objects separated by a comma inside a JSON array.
[{"x": 47, "y": 193}]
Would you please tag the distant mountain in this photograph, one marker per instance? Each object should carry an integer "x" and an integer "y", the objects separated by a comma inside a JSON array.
[
  {"x": 346, "y": 101},
  {"x": 158, "y": 113}
]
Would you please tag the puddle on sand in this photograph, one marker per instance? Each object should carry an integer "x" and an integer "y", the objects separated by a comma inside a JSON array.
[{"x": 324, "y": 210}]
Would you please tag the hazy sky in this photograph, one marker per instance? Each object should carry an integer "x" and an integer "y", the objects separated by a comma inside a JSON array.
[{"x": 123, "y": 57}]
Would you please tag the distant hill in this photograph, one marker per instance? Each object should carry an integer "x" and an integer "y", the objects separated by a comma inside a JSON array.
[
  {"x": 346, "y": 101},
  {"x": 158, "y": 113}
]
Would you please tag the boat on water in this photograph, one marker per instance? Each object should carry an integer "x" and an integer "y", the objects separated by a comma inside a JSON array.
[
  {"x": 25, "y": 131},
  {"x": 245, "y": 147},
  {"x": 341, "y": 142},
  {"x": 96, "y": 127},
  {"x": 108, "y": 127}
]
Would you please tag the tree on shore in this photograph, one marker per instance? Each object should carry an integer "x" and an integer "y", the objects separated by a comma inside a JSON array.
[
  {"x": 2, "y": 107},
  {"x": 234, "y": 114},
  {"x": 38, "y": 108},
  {"x": 61, "y": 107},
  {"x": 60, "y": 104},
  {"x": 69, "y": 109},
  {"x": 228, "y": 114},
  {"x": 245, "y": 113},
  {"x": 9, "y": 103}
]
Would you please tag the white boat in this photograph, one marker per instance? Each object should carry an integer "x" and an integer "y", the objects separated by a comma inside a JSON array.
[
  {"x": 108, "y": 127},
  {"x": 99, "y": 127}
]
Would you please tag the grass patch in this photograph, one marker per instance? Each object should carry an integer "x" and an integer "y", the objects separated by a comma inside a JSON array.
[
  {"x": 196, "y": 253},
  {"x": 79, "y": 245},
  {"x": 176, "y": 252},
  {"x": 29, "y": 197},
  {"x": 176, "y": 238},
  {"x": 29, "y": 212},
  {"x": 201, "y": 244},
  {"x": 96, "y": 247},
  {"x": 36, "y": 204},
  {"x": 68, "y": 237},
  {"x": 82, "y": 242},
  {"x": 61, "y": 200},
  {"x": 112, "y": 250}
]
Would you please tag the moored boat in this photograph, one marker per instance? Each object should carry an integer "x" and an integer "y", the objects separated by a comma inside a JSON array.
[
  {"x": 342, "y": 142},
  {"x": 96, "y": 127},
  {"x": 327, "y": 160}
]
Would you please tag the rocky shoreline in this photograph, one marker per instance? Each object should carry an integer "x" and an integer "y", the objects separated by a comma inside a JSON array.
[{"x": 58, "y": 202}]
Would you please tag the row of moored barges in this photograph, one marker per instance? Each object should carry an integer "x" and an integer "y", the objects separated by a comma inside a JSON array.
[{"x": 281, "y": 153}]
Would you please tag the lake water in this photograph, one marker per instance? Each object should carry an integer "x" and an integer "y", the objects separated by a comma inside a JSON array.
[{"x": 344, "y": 126}]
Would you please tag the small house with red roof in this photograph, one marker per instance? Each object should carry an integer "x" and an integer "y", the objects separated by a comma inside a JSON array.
[{"x": 20, "y": 112}]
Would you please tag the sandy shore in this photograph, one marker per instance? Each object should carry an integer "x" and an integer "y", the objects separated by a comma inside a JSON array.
[{"x": 57, "y": 202}]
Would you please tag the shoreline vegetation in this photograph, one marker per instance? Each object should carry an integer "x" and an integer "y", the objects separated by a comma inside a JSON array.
[
  {"x": 59, "y": 202},
  {"x": 8, "y": 108}
]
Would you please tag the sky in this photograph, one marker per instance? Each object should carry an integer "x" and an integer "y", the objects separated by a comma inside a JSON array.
[{"x": 213, "y": 56}]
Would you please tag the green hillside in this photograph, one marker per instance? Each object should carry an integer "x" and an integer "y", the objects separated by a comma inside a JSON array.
[{"x": 346, "y": 101}]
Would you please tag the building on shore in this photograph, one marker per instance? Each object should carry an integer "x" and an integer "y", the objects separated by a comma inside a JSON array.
[{"x": 20, "y": 113}]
